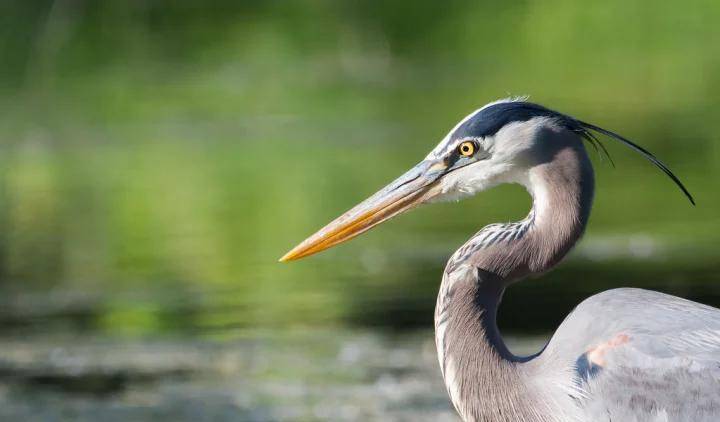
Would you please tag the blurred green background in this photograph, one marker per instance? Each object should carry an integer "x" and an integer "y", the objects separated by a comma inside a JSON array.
[{"x": 158, "y": 157}]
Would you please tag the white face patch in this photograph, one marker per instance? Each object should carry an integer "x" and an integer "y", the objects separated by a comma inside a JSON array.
[{"x": 512, "y": 151}]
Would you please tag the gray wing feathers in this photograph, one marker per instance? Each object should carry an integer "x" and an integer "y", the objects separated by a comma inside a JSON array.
[
  {"x": 658, "y": 326},
  {"x": 657, "y": 356},
  {"x": 635, "y": 395}
]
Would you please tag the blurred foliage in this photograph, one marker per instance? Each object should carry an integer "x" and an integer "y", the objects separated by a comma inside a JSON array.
[{"x": 156, "y": 158}]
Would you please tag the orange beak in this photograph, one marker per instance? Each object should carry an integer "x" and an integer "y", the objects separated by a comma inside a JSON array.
[{"x": 409, "y": 190}]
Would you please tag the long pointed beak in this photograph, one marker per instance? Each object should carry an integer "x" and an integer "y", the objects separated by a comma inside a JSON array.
[{"x": 409, "y": 190}]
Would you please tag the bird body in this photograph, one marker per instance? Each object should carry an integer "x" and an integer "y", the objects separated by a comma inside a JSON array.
[
  {"x": 621, "y": 355},
  {"x": 656, "y": 356}
]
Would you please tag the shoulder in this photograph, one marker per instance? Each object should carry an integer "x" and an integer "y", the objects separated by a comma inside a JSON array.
[
  {"x": 628, "y": 295},
  {"x": 632, "y": 303},
  {"x": 629, "y": 348},
  {"x": 647, "y": 322}
]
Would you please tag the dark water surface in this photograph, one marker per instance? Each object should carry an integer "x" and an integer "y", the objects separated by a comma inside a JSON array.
[{"x": 303, "y": 375}]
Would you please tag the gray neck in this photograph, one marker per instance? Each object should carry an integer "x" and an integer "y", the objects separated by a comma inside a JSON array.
[{"x": 484, "y": 379}]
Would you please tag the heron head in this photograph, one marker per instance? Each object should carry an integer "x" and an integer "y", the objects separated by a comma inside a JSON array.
[{"x": 495, "y": 144}]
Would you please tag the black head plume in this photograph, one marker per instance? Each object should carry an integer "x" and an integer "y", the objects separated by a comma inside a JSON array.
[{"x": 587, "y": 127}]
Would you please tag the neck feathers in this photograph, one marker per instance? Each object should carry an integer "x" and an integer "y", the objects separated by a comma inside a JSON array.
[
  {"x": 562, "y": 191},
  {"x": 562, "y": 188},
  {"x": 485, "y": 381}
]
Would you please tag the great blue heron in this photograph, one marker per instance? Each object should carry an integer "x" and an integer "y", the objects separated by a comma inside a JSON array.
[{"x": 622, "y": 355}]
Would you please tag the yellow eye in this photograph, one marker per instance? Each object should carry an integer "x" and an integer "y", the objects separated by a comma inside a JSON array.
[{"x": 466, "y": 148}]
